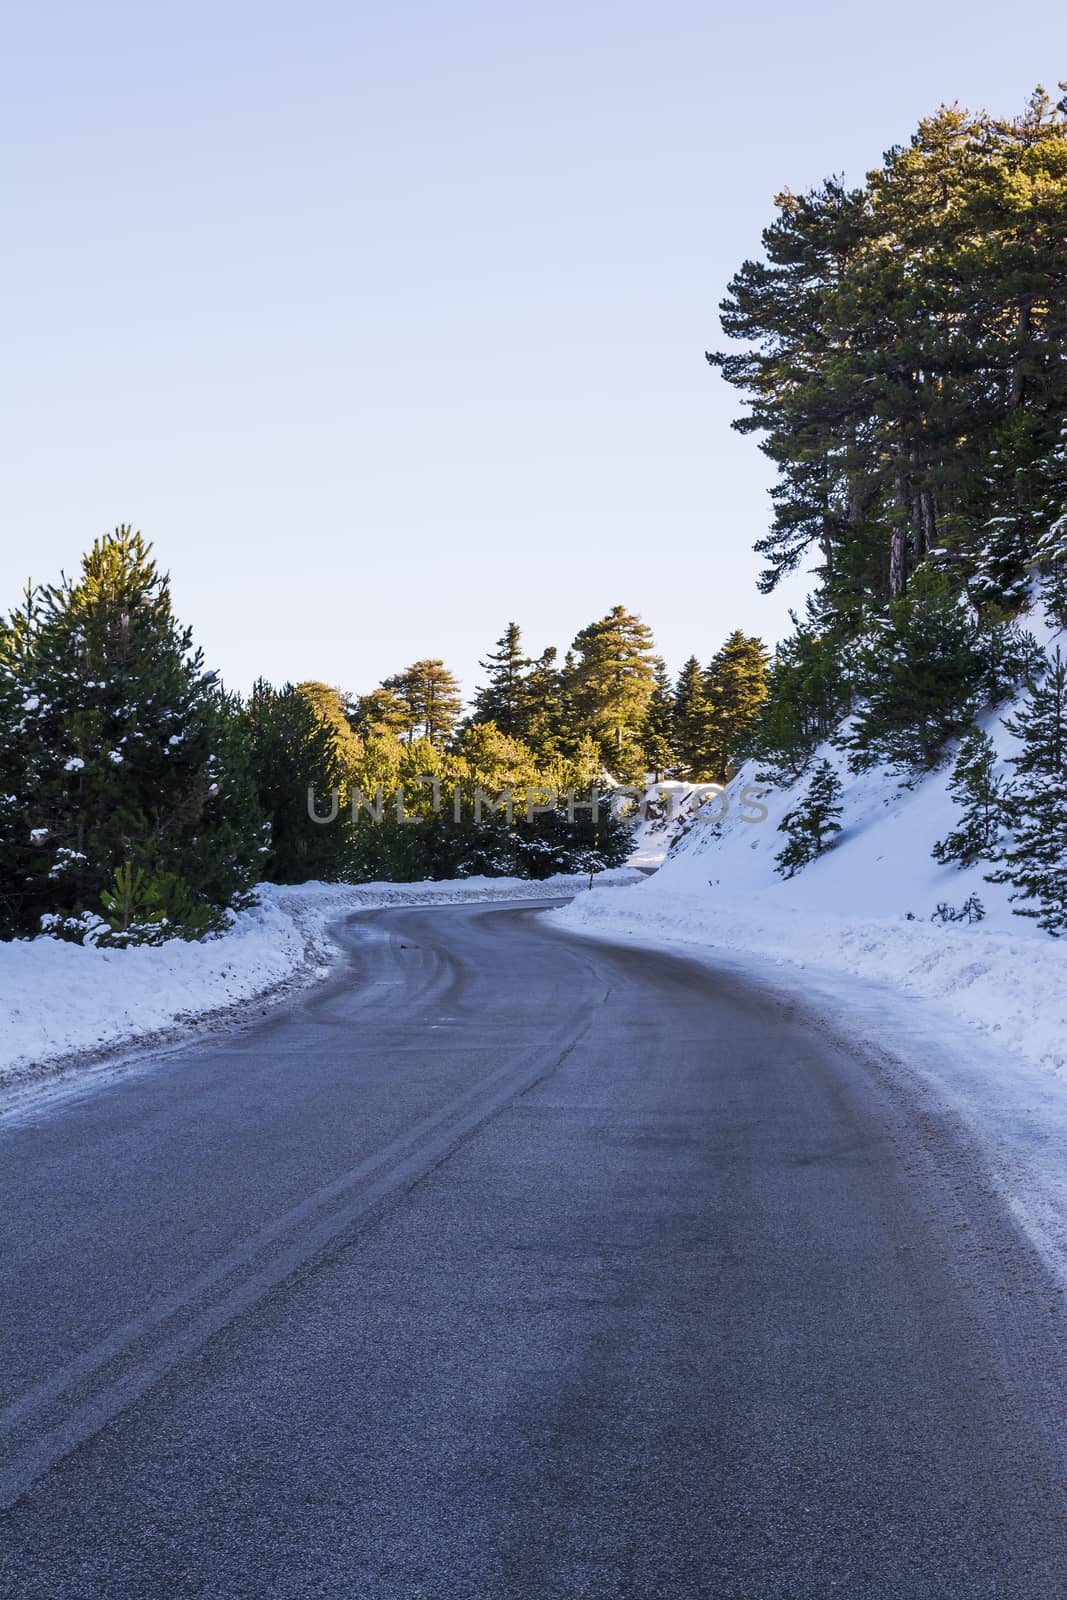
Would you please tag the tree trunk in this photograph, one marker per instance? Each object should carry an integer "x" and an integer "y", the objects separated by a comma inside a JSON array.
[
  {"x": 898, "y": 544},
  {"x": 1018, "y": 379},
  {"x": 929, "y": 521}
]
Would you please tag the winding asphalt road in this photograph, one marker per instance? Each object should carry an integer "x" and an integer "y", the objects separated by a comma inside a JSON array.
[{"x": 512, "y": 1264}]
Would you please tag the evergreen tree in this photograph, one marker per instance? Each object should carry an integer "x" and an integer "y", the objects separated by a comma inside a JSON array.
[
  {"x": 16, "y": 851},
  {"x": 1053, "y": 556},
  {"x": 329, "y": 706},
  {"x": 1009, "y": 657},
  {"x": 571, "y": 730},
  {"x": 984, "y": 801},
  {"x": 502, "y": 700},
  {"x": 544, "y": 721},
  {"x": 735, "y": 686},
  {"x": 903, "y": 358},
  {"x": 431, "y": 698},
  {"x": 611, "y": 684},
  {"x": 382, "y": 712},
  {"x": 972, "y": 910},
  {"x": 487, "y": 758},
  {"x": 294, "y": 748},
  {"x": 810, "y": 825},
  {"x": 135, "y": 759},
  {"x": 657, "y": 734},
  {"x": 583, "y": 768},
  {"x": 691, "y": 721},
  {"x": 1051, "y": 543},
  {"x": 918, "y": 678},
  {"x": 1035, "y": 860},
  {"x": 1001, "y": 566},
  {"x": 808, "y": 692}
]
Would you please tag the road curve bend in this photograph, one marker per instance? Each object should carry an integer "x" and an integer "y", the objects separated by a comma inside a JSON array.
[{"x": 510, "y": 1264}]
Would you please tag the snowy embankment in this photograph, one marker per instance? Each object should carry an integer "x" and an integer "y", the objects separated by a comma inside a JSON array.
[
  {"x": 1011, "y": 987},
  {"x": 869, "y": 906},
  {"x": 59, "y": 999},
  {"x": 973, "y": 1014}
]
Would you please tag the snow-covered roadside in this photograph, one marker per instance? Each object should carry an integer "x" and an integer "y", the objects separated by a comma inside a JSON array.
[
  {"x": 872, "y": 906},
  {"x": 1010, "y": 987},
  {"x": 59, "y": 999}
]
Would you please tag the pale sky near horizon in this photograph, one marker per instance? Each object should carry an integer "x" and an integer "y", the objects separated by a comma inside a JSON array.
[{"x": 387, "y": 324}]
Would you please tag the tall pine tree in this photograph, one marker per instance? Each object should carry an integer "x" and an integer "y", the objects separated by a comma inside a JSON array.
[
  {"x": 294, "y": 748},
  {"x": 611, "y": 684},
  {"x": 691, "y": 721},
  {"x": 657, "y": 732},
  {"x": 735, "y": 687},
  {"x": 502, "y": 699},
  {"x": 544, "y": 720},
  {"x": 431, "y": 699}
]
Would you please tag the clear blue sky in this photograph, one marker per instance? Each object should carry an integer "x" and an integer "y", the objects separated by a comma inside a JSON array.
[{"x": 386, "y": 323}]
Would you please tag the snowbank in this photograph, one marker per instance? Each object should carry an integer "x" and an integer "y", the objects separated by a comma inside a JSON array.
[
  {"x": 60, "y": 999},
  {"x": 864, "y": 908},
  {"x": 1011, "y": 988}
]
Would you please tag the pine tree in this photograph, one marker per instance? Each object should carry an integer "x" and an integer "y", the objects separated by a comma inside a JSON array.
[
  {"x": 571, "y": 727},
  {"x": 972, "y": 910},
  {"x": 919, "y": 679},
  {"x": 808, "y": 693},
  {"x": 691, "y": 721},
  {"x": 611, "y": 685},
  {"x": 984, "y": 800},
  {"x": 810, "y": 825},
  {"x": 583, "y": 767},
  {"x": 657, "y": 734},
  {"x": 487, "y": 758},
  {"x": 544, "y": 722},
  {"x": 382, "y": 712},
  {"x": 1009, "y": 657},
  {"x": 431, "y": 698},
  {"x": 1053, "y": 556},
  {"x": 330, "y": 707},
  {"x": 16, "y": 850},
  {"x": 902, "y": 358},
  {"x": 1035, "y": 860},
  {"x": 294, "y": 748},
  {"x": 1051, "y": 551},
  {"x": 502, "y": 699},
  {"x": 735, "y": 686},
  {"x": 135, "y": 757},
  {"x": 1001, "y": 565}
]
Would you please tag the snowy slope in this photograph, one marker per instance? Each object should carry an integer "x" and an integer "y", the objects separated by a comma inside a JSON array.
[
  {"x": 848, "y": 911},
  {"x": 665, "y": 805}
]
